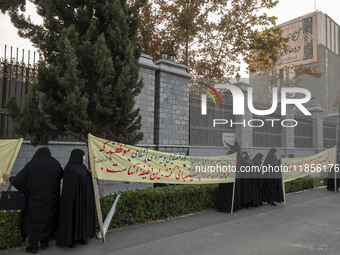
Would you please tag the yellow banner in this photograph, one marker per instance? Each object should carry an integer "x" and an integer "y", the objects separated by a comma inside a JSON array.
[
  {"x": 9, "y": 149},
  {"x": 294, "y": 168},
  {"x": 120, "y": 162}
]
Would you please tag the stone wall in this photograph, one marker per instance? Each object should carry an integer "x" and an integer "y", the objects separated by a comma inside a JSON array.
[{"x": 172, "y": 106}]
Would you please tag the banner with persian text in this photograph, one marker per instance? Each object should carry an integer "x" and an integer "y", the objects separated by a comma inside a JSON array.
[
  {"x": 294, "y": 168},
  {"x": 9, "y": 149},
  {"x": 120, "y": 162}
]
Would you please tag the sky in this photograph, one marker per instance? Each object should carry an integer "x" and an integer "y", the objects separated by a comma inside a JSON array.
[{"x": 284, "y": 11}]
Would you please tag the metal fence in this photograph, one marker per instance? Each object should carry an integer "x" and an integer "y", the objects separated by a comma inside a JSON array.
[
  {"x": 329, "y": 135},
  {"x": 16, "y": 78},
  {"x": 202, "y": 131},
  {"x": 268, "y": 135},
  {"x": 303, "y": 132}
]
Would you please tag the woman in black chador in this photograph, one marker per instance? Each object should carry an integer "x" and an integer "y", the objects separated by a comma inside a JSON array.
[
  {"x": 77, "y": 203},
  {"x": 272, "y": 186},
  {"x": 224, "y": 194},
  {"x": 248, "y": 194},
  {"x": 257, "y": 161},
  {"x": 39, "y": 180}
]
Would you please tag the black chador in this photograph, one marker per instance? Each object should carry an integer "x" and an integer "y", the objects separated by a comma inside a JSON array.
[
  {"x": 225, "y": 190},
  {"x": 77, "y": 203},
  {"x": 272, "y": 186},
  {"x": 39, "y": 180},
  {"x": 257, "y": 161},
  {"x": 248, "y": 194},
  {"x": 224, "y": 194}
]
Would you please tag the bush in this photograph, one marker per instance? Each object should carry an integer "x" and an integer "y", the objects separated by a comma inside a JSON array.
[
  {"x": 299, "y": 184},
  {"x": 9, "y": 229},
  {"x": 138, "y": 206}
]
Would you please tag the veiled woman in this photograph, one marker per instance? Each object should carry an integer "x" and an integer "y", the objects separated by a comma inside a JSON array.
[
  {"x": 257, "y": 162},
  {"x": 224, "y": 194},
  {"x": 39, "y": 180},
  {"x": 77, "y": 203},
  {"x": 272, "y": 186},
  {"x": 247, "y": 183}
]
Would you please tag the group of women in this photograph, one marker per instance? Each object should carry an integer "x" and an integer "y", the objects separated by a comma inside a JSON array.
[
  {"x": 70, "y": 213},
  {"x": 251, "y": 188}
]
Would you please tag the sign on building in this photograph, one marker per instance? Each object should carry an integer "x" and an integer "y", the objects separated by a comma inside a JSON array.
[
  {"x": 228, "y": 138},
  {"x": 302, "y": 44}
]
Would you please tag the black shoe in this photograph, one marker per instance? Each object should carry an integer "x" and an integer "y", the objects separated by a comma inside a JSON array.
[
  {"x": 32, "y": 249},
  {"x": 44, "y": 245},
  {"x": 84, "y": 241},
  {"x": 72, "y": 245},
  {"x": 273, "y": 204}
]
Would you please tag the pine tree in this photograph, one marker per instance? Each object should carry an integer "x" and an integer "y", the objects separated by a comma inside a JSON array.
[
  {"x": 89, "y": 75},
  {"x": 6, "y": 5}
]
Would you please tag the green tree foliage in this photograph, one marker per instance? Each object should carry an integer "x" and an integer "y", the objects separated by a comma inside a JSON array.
[
  {"x": 89, "y": 75},
  {"x": 5, "y": 5},
  {"x": 210, "y": 37}
]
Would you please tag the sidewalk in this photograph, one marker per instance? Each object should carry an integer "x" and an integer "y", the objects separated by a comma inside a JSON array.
[{"x": 309, "y": 224}]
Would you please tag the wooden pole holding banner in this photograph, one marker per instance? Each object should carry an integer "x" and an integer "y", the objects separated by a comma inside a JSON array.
[
  {"x": 99, "y": 210},
  {"x": 335, "y": 184},
  {"x": 232, "y": 198},
  {"x": 284, "y": 192},
  {"x": 96, "y": 191}
]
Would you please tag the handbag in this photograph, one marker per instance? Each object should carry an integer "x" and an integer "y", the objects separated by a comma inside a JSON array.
[{"x": 12, "y": 200}]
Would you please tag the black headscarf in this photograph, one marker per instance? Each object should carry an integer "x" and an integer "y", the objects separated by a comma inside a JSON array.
[
  {"x": 76, "y": 157},
  {"x": 236, "y": 148},
  {"x": 246, "y": 160},
  {"x": 77, "y": 202},
  {"x": 272, "y": 187},
  {"x": 39, "y": 180},
  {"x": 271, "y": 158},
  {"x": 257, "y": 160}
]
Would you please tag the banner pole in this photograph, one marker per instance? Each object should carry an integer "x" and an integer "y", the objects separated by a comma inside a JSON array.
[
  {"x": 99, "y": 210},
  {"x": 95, "y": 188},
  {"x": 284, "y": 192},
  {"x": 335, "y": 179},
  {"x": 335, "y": 184},
  {"x": 232, "y": 198}
]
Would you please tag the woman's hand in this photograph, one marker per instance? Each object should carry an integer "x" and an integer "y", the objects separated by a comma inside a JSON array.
[{"x": 6, "y": 177}]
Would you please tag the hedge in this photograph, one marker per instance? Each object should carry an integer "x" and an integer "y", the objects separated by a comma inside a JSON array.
[{"x": 139, "y": 206}]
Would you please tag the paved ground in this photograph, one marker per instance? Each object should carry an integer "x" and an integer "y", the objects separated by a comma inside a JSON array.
[{"x": 309, "y": 224}]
